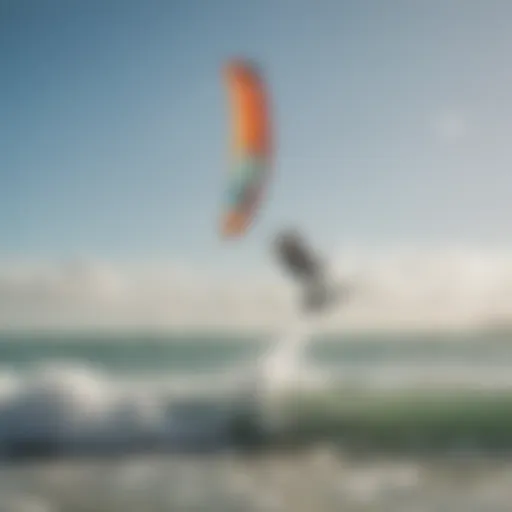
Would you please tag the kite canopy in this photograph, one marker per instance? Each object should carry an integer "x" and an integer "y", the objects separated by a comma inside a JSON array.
[{"x": 251, "y": 147}]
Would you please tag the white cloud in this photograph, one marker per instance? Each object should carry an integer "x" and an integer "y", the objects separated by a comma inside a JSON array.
[
  {"x": 400, "y": 288},
  {"x": 94, "y": 294},
  {"x": 450, "y": 126}
]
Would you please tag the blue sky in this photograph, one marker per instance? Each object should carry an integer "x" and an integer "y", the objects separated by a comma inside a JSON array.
[{"x": 393, "y": 124}]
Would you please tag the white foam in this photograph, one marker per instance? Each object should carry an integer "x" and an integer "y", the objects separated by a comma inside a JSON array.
[
  {"x": 25, "y": 503},
  {"x": 73, "y": 401},
  {"x": 281, "y": 367}
]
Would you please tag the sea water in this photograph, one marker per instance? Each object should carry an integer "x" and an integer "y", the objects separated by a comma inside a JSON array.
[{"x": 377, "y": 422}]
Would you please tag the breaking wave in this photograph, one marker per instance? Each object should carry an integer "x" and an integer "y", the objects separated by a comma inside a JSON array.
[{"x": 61, "y": 408}]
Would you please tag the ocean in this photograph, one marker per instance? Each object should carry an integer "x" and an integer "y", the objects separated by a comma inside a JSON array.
[{"x": 152, "y": 421}]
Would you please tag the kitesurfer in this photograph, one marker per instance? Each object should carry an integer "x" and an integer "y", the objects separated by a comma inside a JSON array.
[{"x": 299, "y": 260}]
